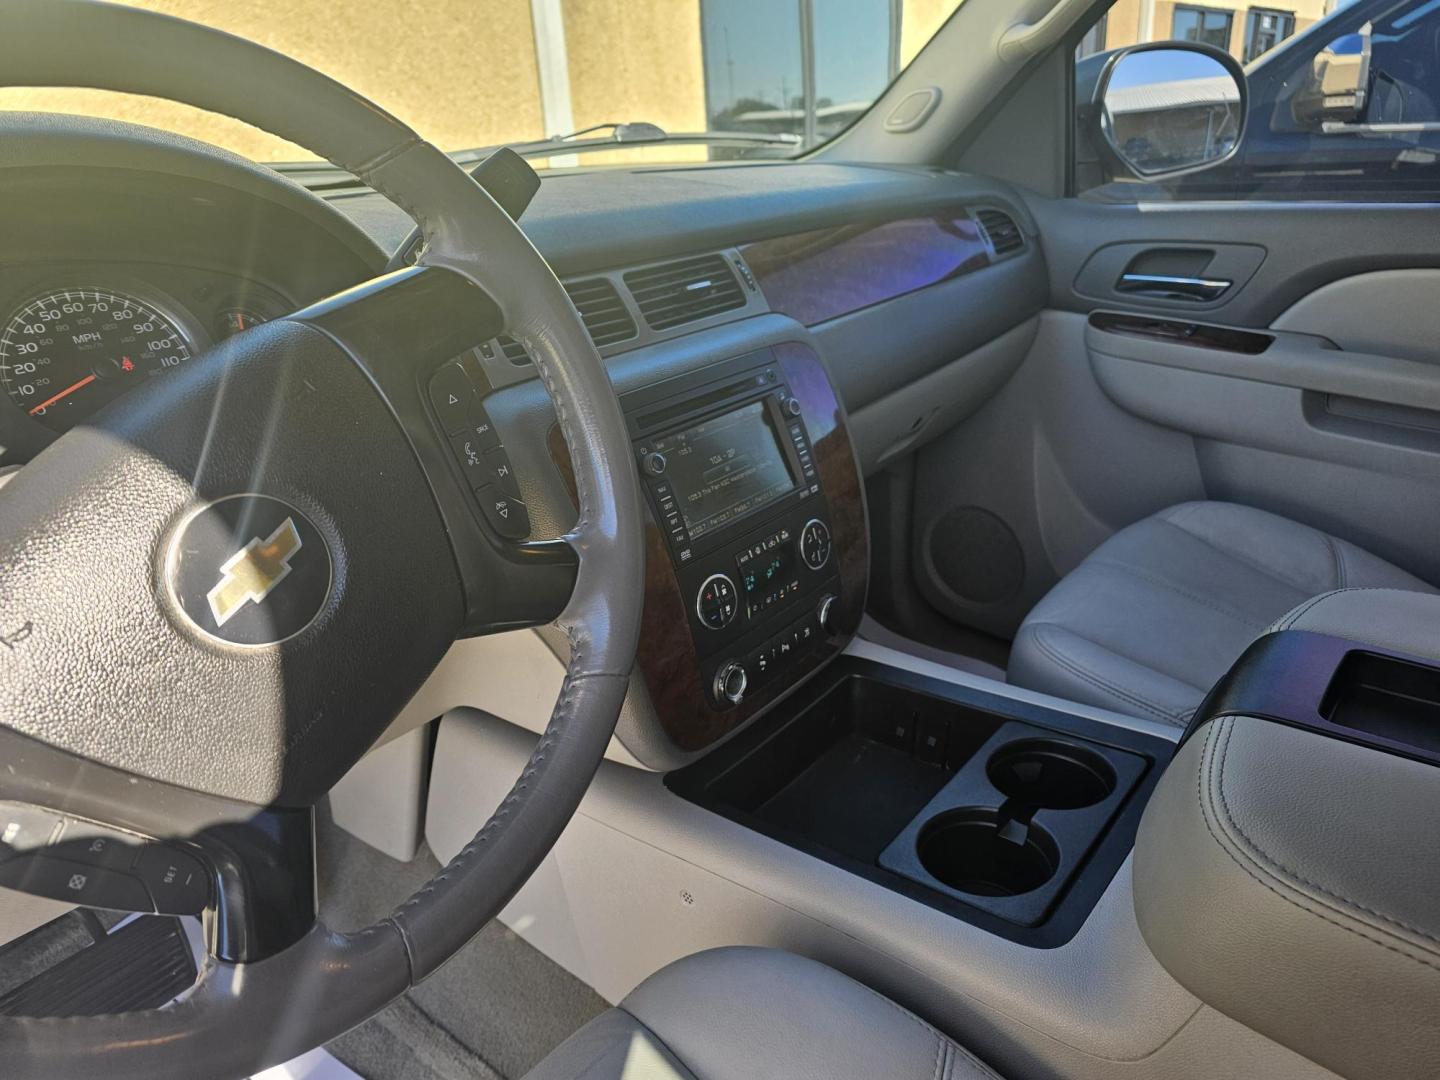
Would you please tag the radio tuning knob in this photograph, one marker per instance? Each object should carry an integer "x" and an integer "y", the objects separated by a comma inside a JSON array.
[
  {"x": 730, "y": 682},
  {"x": 792, "y": 407},
  {"x": 824, "y": 610}
]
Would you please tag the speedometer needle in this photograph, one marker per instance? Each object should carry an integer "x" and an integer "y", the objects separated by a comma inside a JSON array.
[{"x": 63, "y": 393}]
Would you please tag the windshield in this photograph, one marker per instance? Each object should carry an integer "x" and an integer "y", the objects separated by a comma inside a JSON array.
[{"x": 474, "y": 73}]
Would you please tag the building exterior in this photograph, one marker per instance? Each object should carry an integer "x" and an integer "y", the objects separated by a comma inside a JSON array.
[
  {"x": 1245, "y": 31},
  {"x": 470, "y": 73}
]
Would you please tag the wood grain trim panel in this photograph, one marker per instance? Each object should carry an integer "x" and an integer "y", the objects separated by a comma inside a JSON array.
[
  {"x": 822, "y": 274},
  {"x": 666, "y": 655}
]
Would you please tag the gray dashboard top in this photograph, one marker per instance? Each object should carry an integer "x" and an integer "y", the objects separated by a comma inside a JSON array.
[{"x": 598, "y": 219}]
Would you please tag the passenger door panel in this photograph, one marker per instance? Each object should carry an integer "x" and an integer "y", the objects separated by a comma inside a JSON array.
[{"x": 1335, "y": 424}]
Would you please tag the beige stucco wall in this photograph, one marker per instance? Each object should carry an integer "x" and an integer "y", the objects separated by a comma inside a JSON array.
[
  {"x": 1125, "y": 16},
  {"x": 636, "y": 60},
  {"x": 459, "y": 73},
  {"x": 919, "y": 19},
  {"x": 464, "y": 72}
]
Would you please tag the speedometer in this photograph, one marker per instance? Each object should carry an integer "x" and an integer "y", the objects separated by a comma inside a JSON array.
[{"x": 70, "y": 351}]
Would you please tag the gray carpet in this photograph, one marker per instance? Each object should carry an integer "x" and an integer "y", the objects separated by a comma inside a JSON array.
[{"x": 493, "y": 1011}]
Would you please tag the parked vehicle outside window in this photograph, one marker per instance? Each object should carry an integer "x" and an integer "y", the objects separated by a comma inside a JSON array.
[{"x": 1346, "y": 106}]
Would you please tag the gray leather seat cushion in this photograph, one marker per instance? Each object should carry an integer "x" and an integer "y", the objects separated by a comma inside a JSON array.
[
  {"x": 1157, "y": 613},
  {"x": 752, "y": 1014}
]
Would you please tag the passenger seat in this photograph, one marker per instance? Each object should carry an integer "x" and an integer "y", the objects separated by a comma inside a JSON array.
[{"x": 1157, "y": 613}]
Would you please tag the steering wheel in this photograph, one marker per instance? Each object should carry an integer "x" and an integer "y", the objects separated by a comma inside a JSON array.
[{"x": 214, "y": 597}]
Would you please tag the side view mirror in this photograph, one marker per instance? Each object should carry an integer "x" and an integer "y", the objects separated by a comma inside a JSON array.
[
  {"x": 1336, "y": 89},
  {"x": 1170, "y": 108}
]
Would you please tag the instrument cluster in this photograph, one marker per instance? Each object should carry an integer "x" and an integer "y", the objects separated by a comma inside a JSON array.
[{"x": 75, "y": 337}]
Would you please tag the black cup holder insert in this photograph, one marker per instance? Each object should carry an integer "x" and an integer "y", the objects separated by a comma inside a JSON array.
[
  {"x": 1051, "y": 774},
  {"x": 976, "y": 851}
]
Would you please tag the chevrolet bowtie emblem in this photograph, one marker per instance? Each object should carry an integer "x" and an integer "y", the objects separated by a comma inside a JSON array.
[{"x": 252, "y": 573}]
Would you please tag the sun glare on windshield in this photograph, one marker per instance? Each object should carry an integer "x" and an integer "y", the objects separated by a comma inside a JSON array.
[{"x": 512, "y": 72}]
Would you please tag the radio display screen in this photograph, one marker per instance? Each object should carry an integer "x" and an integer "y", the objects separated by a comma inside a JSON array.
[{"x": 725, "y": 467}]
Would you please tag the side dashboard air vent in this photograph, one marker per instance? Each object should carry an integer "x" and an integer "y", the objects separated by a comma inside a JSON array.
[
  {"x": 512, "y": 350},
  {"x": 602, "y": 311},
  {"x": 1005, "y": 236},
  {"x": 685, "y": 290}
]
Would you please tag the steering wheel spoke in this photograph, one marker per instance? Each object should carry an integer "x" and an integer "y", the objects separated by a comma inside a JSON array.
[{"x": 414, "y": 331}]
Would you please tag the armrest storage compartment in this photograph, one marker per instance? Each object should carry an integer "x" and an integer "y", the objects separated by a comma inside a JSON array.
[{"x": 1287, "y": 870}]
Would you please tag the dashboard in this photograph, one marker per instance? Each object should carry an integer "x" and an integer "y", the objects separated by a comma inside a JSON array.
[{"x": 765, "y": 325}]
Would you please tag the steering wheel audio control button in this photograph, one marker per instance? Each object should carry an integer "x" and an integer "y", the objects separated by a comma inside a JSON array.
[
  {"x": 452, "y": 395},
  {"x": 505, "y": 513},
  {"x": 500, "y": 473}
]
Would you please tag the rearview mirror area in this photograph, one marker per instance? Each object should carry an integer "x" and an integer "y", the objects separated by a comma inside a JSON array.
[{"x": 1170, "y": 108}]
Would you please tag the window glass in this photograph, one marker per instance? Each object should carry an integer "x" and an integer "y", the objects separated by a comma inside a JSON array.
[
  {"x": 1205, "y": 25},
  {"x": 514, "y": 71},
  {"x": 1343, "y": 99}
]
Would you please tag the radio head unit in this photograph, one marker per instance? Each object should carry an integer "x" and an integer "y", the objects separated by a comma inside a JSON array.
[{"x": 728, "y": 467}]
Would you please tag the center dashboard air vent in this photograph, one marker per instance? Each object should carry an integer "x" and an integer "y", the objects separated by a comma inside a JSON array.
[
  {"x": 602, "y": 311},
  {"x": 1005, "y": 236},
  {"x": 682, "y": 291}
]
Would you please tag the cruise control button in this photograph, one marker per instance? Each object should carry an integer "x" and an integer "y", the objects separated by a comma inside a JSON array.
[
  {"x": 505, "y": 513},
  {"x": 497, "y": 466},
  {"x": 95, "y": 845},
  {"x": 453, "y": 395},
  {"x": 177, "y": 881},
  {"x": 75, "y": 883},
  {"x": 24, "y": 828}
]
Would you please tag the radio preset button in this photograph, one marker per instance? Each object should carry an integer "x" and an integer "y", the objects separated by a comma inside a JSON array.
[
  {"x": 717, "y": 602},
  {"x": 815, "y": 543}
]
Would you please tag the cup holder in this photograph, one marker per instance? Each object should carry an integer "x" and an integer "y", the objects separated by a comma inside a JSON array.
[
  {"x": 967, "y": 850},
  {"x": 1050, "y": 774}
]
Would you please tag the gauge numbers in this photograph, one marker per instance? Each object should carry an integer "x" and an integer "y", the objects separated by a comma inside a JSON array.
[{"x": 65, "y": 354}]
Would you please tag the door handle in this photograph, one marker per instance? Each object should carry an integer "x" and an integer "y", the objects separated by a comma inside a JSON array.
[{"x": 1195, "y": 290}]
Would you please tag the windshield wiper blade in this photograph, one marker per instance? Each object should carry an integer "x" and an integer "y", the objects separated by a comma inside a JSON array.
[{"x": 632, "y": 134}]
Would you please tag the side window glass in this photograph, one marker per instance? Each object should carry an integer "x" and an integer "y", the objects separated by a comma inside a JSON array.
[{"x": 1343, "y": 98}]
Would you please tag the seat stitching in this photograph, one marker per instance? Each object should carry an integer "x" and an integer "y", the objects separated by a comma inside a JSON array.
[
  {"x": 1173, "y": 717},
  {"x": 1335, "y": 557},
  {"x": 1242, "y": 559},
  {"x": 1204, "y": 601},
  {"x": 1294, "y": 616},
  {"x": 925, "y": 1025},
  {"x": 1276, "y": 865},
  {"x": 1206, "y": 811}
]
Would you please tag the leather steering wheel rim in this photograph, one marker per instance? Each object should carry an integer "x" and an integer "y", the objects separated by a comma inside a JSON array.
[{"x": 241, "y": 1018}]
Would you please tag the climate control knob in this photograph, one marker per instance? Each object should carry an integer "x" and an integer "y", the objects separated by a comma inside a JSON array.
[
  {"x": 717, "y": 602},
  {"x": 730, "y": 682},
  {"x": 815, "y": 543}
]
